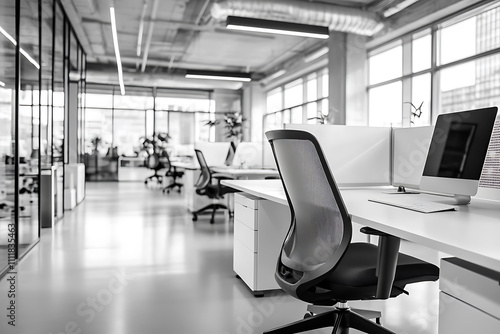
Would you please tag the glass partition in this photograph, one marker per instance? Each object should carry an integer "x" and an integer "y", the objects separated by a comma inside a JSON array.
[
  {"x": 7, "y": 110},
  {"x": 29, "y": 122}
]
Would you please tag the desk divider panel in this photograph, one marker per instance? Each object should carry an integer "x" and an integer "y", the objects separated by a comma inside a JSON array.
[
  {"x": 214, "y": 152},
  {"x": 248, "y": 154},
  {"x": 358, "y": 155},
  {"x": 410, "y": 147},
  {"x": 489, "y": 183}
]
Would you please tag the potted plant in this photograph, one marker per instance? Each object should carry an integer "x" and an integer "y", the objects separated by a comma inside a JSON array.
[{"x": 234, "y": 125}]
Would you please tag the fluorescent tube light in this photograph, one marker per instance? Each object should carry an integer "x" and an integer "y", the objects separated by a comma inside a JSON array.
[
  {"x": 315, "y": 55},
  {"x": 23, "y": 52},
  {"x": 117, "y": 50},
  {"x": 214, "y": 75},
  {"x": 276, "y": 27},
  {"x": 2, "y": 84}
]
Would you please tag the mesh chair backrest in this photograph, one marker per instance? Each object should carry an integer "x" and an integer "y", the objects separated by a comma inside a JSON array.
[
  {"x": 321, "y": 228},
  {"x": 206, "y": 175},
  {"x": 153, "y": 161}
]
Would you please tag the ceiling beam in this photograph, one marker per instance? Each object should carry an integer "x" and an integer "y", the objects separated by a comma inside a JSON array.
[
  {"x": 150, "y": 36},
  {"x": 178, "y": 64}
]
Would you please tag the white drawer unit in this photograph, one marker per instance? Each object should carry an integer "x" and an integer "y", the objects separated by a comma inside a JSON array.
[
  {"x": 260, "y": 227},
  {"x": 469, "y": 298}
]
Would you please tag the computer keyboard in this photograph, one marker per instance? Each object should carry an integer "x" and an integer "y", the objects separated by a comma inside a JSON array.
[{"x": 414, "y": 204}]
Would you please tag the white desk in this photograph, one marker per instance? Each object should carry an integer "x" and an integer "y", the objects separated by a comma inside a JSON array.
[
  {"x": 471, "y": 233},
  {"x": 192, "y": 173},
  {"x": 245, "y": 173}
]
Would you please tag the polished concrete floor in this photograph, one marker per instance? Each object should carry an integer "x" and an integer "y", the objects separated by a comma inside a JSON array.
[{"x": 130, "y": 261}]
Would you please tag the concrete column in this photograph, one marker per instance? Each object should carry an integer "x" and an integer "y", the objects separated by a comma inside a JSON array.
[
  {"x": 337, "y": 69},
  {"x": 71, "y": 138},
  {"x": 254, "y": 107}
]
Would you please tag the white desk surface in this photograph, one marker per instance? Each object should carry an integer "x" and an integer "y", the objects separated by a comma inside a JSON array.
[
  {"x": 245, "y": 172},
  {"x": 471, "y": 233},
  {"x": 229, "y": 170}
]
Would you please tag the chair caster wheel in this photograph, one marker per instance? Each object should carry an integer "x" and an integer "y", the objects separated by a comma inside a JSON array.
[
  {"x": 168, "y": 191},
  {"x": 195, "y": 218},
  {"x": 212, "y": 221},
  {"x": 308, "y": 315}
]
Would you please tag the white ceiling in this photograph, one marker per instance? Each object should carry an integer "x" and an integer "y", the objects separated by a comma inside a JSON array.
[{"x": 185, "y": 35}]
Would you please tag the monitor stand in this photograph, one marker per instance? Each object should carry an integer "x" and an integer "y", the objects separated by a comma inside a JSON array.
[
  {"x": 461, "y": 199},
  {"x": 402, "y": 190}
]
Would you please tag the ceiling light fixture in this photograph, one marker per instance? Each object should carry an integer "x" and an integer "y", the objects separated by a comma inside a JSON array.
[
  {"x": 276, "y": 27},
  {"x": 316, "y": 54},
  {"x": 23, "y": 52},
  {"x": 216, "y": 75},
  {"x": 117, "y": 50},
  {"x": 2, "y": 84}
]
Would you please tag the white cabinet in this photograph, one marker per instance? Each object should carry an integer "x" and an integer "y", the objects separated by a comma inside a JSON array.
[
  {"x": 469, "y": 301},
  {"x": 260, "y": 227}
]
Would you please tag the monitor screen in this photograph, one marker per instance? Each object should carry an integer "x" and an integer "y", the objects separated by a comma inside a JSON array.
[{"x": 459, "y": 144}]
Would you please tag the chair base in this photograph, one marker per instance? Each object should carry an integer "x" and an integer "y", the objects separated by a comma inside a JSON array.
[
  {"x": 212, "y": 207},
  {"x": 158, "y": 177},
  {"x": 171, "y": 186},
  {"x": 341, "y": 319}
]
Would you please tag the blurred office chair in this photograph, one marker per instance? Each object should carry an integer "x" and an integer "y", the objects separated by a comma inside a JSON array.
[
  {"x": 205, "y": 187},
  {"x": 318, "y": 263},
  {"x": 153, "y": 163},
  {"x": 173, "y": 173}
]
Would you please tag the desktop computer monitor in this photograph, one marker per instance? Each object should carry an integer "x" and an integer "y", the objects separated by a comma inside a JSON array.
[{"x": 457, "y": 152}]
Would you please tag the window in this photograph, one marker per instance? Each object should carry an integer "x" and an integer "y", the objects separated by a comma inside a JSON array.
[
  {"x": 465, "y": 73},
  {"x": 275, "y": 100},
  {"x": 469, "y": 85},
  {"x": 294, "y": 93},
  {"x": 421, "y": 52},
  {"x": 303, "y": 100},
  {"x": 386, "y": 105},
  {"x": 458, "y": 41},
  {"x": 386, "y": 65},
  {"x": 421, "y": 98}
]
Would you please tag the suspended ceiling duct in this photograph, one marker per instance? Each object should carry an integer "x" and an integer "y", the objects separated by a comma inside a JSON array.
[{"x": 337, "y": 18}]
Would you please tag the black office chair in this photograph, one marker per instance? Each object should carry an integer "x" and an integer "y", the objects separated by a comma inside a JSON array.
[
  {"x": 153, "y": 163},
  {"x": 173, "y": 173},
  {"x": 205, "y": 187},
  {"x": 318, "y": 263}
]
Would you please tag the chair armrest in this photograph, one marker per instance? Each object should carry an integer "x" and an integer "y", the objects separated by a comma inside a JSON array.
[
  {"x": 372, "y": 231},
  {"x": 387, "y": 260}
]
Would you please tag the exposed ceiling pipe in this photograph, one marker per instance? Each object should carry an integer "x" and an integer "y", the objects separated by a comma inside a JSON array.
[
  {"x": 154, "y": 9},
  {"x": 337, "y": 18},
  {"x": 141, "y": 28},
  {"x": 200, "y": 15}
]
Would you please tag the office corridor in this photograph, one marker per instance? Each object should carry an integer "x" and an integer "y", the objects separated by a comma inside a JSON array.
[{"x": 129, "y": 260}]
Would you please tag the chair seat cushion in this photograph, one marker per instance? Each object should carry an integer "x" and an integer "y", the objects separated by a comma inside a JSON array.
[{"x": 357, "y": 270}]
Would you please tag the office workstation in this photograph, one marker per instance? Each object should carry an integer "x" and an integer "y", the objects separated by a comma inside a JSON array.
[{"x": 230, "y": 166}]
